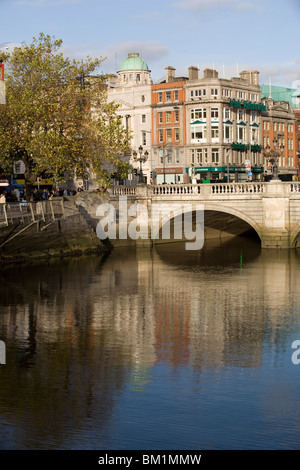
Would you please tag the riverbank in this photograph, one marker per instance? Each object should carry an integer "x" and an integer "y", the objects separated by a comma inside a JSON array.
[{"x": 71, "y": 235}]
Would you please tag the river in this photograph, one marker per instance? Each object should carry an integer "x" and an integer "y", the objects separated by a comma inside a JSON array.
[{"x": 152, "y": 349}]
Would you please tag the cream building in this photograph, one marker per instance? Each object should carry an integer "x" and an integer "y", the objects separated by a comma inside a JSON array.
[
  {"x": 223, "y": 125},
  {"x": 131, "y": 89}
]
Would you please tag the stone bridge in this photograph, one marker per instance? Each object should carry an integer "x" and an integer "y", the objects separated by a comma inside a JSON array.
[{"x": 271, "y": 209}]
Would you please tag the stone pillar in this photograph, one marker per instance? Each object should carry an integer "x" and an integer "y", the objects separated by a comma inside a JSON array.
[{"x": 276, "y": 228}]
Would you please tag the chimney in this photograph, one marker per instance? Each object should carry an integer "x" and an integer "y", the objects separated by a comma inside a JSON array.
[
  {"x": 170, "y": 74},
  {"x": 193, "y": 73},
  {"x": 210, "y": 73},
  {"x": 251, "y": 76}
]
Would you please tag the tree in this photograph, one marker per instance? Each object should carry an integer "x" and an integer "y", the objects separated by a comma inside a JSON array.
[{"x": 56, "y": 116}]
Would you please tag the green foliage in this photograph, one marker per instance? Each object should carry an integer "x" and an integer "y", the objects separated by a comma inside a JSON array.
[{"x": 57, "y": 116}]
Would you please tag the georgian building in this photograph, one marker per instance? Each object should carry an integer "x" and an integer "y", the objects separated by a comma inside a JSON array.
[{"x": 169, "y": 128}]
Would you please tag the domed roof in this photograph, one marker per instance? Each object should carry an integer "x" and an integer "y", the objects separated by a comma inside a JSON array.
[{"x": 133, "y": 62}]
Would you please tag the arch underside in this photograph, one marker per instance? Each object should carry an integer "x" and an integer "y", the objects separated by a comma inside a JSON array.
[{"x": 224, "y": 222}]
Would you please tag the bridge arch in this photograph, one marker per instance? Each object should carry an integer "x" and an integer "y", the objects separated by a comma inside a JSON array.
[{"x": 208, "y": 207}]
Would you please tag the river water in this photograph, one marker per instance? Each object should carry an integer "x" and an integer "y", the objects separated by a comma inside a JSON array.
[{"x": 152, "y": 349}]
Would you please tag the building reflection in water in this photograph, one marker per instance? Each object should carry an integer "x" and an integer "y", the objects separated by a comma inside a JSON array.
[{"x": 80, "y": 332}]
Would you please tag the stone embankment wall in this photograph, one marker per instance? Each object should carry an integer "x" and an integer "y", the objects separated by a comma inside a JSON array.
[{"x": 71, "y": 235}]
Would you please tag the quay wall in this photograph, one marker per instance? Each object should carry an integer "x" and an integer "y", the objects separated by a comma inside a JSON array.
[{"x": 70, "y": 235}]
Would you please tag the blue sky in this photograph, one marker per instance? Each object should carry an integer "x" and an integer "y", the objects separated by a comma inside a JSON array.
[{"x": 229, "y": 35}]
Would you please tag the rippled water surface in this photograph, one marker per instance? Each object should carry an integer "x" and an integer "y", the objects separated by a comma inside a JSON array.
[{"x": 152, "y": 349}]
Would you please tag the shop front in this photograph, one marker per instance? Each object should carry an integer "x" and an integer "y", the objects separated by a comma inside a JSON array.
[
  {"x": 168, "y": 175},
  {"x": 221, "y": 174}
]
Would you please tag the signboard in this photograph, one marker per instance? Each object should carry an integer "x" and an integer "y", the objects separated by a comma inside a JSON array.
[{"x": 168, "y": 171}]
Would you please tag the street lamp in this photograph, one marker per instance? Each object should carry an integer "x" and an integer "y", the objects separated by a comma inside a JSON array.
[
  {"x": 273, "y": 155},
  {"x": 142, "y": 159}
]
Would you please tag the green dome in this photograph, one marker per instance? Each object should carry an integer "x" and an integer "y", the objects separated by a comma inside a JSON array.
[{"x": 133, "y": 62}]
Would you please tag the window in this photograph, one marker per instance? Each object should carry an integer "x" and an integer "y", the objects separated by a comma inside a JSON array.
[
  {"x": 143, "y": 118},
  {"x": 176, "y": 115},
  {"x": 177, "y": 134},
  {"x": 292, "y": 144},
  {"x": 176, "y": 95},
  {"x": 160, "y": 97},
  {"x": 138, "y": 77},
  {"x": 198, "y": 132},
  {"x": 169, "y": 156},
  {"x": 168, "y": 96},
  {"x": 227, "y": 133},
  {"x": 168, "y": 116},
  {"x": 214, "y": 113},
  {"x": 226, "y": 93},
  {"x": 161, "y": 135},
  {"x": 161, "y": 155},
  {"x": 241, "y": 133},
  {"x": 144, "y": 138},
  {"x": 177, "y": 155},
  {"x": 160, "y": 118},
  {"x": 192, "y": 93},
  {"x": 130, "y": 77},
  {"x": 169, "y": 135},
  {"x": 227, "y": 113},
  {"x": 198, "y": 113},
  {"x": 254, "y": 134},
  {"x": 253, "y": 116},
  {"x": 214, "y": 92},
  {"x": 275, "y": 126},
  {"x": 214, "y": 132},
  {"x": 241, "y": 95},
  {"x": 142, "y": 98},
  {"x": 240, "y": 114},
  {"x": 215, "y": 155}
]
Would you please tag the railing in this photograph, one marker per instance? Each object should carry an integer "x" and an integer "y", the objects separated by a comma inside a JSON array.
[
  {"x": 204, "y": 189},
  {"x": 295, "y": 187},
  {"x": 176, "y": 189},
  {"x": 124, "y": 190},
  {"x": 23, "y": 212},
  {"x": 237, "y": 188}
]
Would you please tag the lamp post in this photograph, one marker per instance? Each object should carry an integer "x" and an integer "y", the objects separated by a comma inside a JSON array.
[
  {"x": 273, "y": 155},
  {"x": 142, "y": 159}
]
